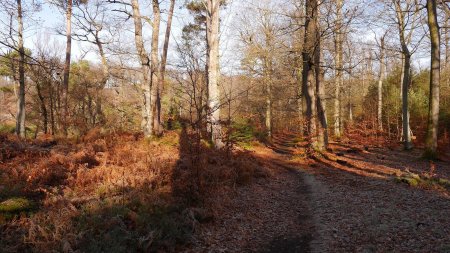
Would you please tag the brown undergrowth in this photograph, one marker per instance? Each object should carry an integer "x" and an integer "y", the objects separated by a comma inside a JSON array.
[{"x": 114, "y": 192}]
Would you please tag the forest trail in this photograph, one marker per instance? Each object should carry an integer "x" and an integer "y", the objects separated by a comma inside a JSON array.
[
  {"x": 270, "y": 215},
  {"x": 344, "y": 204},
  {"x": 285, "y": 144}
]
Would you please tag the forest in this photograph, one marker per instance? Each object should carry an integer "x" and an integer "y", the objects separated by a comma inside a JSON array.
[{"x": 224, "y": 126}]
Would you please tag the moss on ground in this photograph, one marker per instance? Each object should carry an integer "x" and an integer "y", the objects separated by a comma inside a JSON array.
[
  {"x": 415, "y": 180},
  {"x": 16, "y": 205}
]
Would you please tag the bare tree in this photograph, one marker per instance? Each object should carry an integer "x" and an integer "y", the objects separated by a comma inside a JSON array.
[
  {"x": 20, "y": 118},
  {"x": 155, "y": 68},
  {"x": 162, "y": 68},
  {"x": 433, "y": 113},
  {"x": 91, "y": 24},
  {"x": 381, "y": 76},
  {"x": 339, "y": 55},
  {"x": 406, "y": 19},
  {"x": 213, "y": 14},
  {"x": 66, "y": 71},
  {"x": 147, "y": 111},
  {"x": 310, "y": 51}
]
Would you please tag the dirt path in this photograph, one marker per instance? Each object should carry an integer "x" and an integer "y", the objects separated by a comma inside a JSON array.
[
  {"x": 269, "y": 215},
  {"x": 328, "y": 207}
]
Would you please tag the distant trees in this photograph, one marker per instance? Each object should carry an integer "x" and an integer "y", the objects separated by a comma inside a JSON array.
[
  {"x": 262, "y": 51},
  {"x": 280, "y": 46},
  {"x": 12, "y": 37}
]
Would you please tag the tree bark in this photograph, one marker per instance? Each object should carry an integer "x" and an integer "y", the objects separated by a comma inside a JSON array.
[
  {"x": 433, "y": 113},
  {"x": 405, "y": 108},
  {"x": 380, "y": 83},
  {"x": 269, "y": 108},
  {"x": 20, "y": 117},
  {"x": 339, "y": 55},
  {"x": 43, "y": 107},
  {"x": 155, "y": 69},
  {"x": 162, "y": 69},
  {"x": 308, "y": 82},
  {"x": 214, "y": 73},
  {"x": 447, "y": 49},
  {"x": 105, "y": 70},
  {"x": 406, "y": 76},
  {"x": 322, "y": 140},
  {"x": 66, "y": 71},
  {"x": 268, "y": 76},
  {"x": 147, "y": 113}
]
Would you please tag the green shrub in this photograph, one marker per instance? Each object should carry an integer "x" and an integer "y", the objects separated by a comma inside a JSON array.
[
  {"x": 7, "y": 129},
  {"x": 16, "y": 205}
]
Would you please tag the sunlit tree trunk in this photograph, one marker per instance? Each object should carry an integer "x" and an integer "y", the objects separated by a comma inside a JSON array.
[
  {"x": 214, "y": 73},
  {"x": 66, "y": 71},
  {"x": 20, "y": 117},
  {"x": 380, "y": 83},
  {"x": 322, "y": 140},
  {"x": 447, "y": 49},
  {"x": 339, "y": 55},
  {"x": 268, "y": 76},
  {"x": 308, "y": 82},
  {"x": 406, "y": 76},
  {"x": 147, "y": 114},
  {"x": 433, "y": 113},
  {"x": 162, "y": 69},
  {"x": 269, "y": 108},
  {"x": 405, "y": 108},
  {"x": 155, "y": 70},
  {"x": 105, "y": 70},
  {"x": 207, "y": 63}
]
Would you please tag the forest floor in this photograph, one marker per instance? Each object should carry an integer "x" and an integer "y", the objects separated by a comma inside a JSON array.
[
  {"x": 122, "y": 193},
  {"x": 353, "y": 198}
]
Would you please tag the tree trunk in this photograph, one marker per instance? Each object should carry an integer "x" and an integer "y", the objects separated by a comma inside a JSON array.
[
  {"x": 269, "y": 108},
  {"x": 380, "y": 84},
  {"x": 308, "y": 82},
  {"x": 207, "y": 62},
  {"x": 339, "y": 55},
  {"x": 162, "y": 69},
  {"x": 43, "y": 107},
  {"x": 214, "y": 73},
  {"x": 447, "y": 49},
  {"x": 320, "y": 100},
  {"x": 406, "y": 76},
  {"x": 268, "y": 76},
  {"x": 66, "y": 71},
  {"x": 105, "y": 70},
  {"x": 147, "y": 114},
  {"x": 433, "y": 113},
  {"x": 155, "y": 70},
  {"x": 20, "y": 117},
  {"x": 405, "y": 108}
]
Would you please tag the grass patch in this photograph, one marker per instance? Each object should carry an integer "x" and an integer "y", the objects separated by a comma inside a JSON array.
[
  {"x": 13, "y": 207},
  {"x": 7, "y": 129},
  {"x": 7, "y": 89},
  {"x": 16, "y": 205}
]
